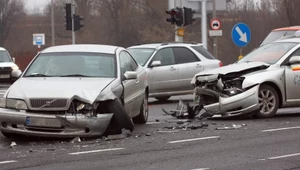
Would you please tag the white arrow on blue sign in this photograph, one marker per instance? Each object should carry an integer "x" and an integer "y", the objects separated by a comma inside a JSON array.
[{"x": 241, "y": 34}]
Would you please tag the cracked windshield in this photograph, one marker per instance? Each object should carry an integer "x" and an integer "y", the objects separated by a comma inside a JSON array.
[{"x": 149, "y": 84}]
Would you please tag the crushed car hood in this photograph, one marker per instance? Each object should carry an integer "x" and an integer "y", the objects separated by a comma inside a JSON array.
[
  {"x": 85, "y": 89},
  {"x": 233, "y": 68}
]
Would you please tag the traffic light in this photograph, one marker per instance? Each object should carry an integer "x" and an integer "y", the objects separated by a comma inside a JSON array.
[
  {"x": 68, "y": 16},
  {"x": 176, "y": 16},
  {"x": 77, "y": 22},
  {"x": 188, "y": 16},
  {"x": 171, "y": 12}
]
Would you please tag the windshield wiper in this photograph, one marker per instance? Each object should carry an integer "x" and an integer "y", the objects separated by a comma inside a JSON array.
[
  {"x": 74, "y": 75},
  {"x": 37, "y": 75}
]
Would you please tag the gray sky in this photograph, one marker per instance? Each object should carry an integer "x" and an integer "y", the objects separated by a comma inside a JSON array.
[{"x": 32, "y": 4}]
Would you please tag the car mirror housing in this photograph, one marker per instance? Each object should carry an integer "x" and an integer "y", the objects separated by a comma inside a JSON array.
[
  {"x": 155, "y": 63},
  {"x": 294, "y": 60},
  {"x": 16, "y": 73},
  {"x": 130, "y": 75}
]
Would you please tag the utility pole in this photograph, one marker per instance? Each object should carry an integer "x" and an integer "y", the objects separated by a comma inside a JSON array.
[
  {"x": 52, "y": 23},
  {"x": 73, "y": 13},
  {"x": 204, "y": 23},
  {"x": 215, "y": 39}
]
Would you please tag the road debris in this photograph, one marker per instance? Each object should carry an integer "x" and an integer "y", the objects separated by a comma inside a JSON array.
[
  {"x": 231, "y": 127},
  {"x": 50, "y": 149},
  {"x": 77, "y": 139},
  {"x": 148, "y": 134},
  {"x": 13, "y": 144},
  {"x": 184, "y": 110},
  {"x": 125, "y": 134},
  {"x": 168, "y": 131}
]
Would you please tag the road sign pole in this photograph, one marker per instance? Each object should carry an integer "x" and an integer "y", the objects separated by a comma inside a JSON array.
[
  {"x": 215, "y": 39},
  {"x": 204, "y": 24},
  {"x": 73, "y": 12}
]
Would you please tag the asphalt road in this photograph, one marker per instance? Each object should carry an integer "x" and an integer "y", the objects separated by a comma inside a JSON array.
[{"x": 254, "y": 144}]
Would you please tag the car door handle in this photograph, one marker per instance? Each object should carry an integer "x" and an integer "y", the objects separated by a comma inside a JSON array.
[
  {"x": 137, "y": 81},
  {"x": 172, "y": 69},
  {"x": 198, "y": 65}
]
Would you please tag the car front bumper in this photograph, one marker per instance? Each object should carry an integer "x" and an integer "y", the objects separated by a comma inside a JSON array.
[
  {"x": 237, "y": 105},
  {"x": 51, "y": 125}
]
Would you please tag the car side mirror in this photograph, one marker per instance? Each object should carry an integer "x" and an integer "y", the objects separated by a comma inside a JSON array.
[
  {"x": 155, "y": 63},
  {"x": 294, "y": 60},
  {"x": 16, "y": 73},
  {"x": 14, "y": 60},
  {"x": 130, "y": 75}
]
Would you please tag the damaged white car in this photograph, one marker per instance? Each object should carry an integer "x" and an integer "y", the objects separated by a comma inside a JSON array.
[
  {"x": 266, "y": 79},
  {"x": 76, "y": 91}
]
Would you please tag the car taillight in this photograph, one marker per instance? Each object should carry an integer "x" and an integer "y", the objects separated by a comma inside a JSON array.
[{"x": 220, "y": 64}]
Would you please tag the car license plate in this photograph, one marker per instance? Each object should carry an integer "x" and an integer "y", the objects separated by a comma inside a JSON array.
[
  {"x": 42, "y": 122},
  {"x": 3, "y": 76}
]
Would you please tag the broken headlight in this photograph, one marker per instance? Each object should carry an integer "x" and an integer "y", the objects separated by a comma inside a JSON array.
[
  {"x": 13, "y": 104},
  {"x": 237, "y": 82}
]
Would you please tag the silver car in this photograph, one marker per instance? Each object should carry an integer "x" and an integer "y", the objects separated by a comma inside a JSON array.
[
  {"x": 171, "y": 66},
  {"x": 266, "y": 79},
  {"x": 76, "y": 90}
]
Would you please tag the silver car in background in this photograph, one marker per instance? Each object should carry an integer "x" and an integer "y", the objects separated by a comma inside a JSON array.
[
  {"x": 266, "y": 79},
  {"x": 76, "y": 90},
  {"x": 171, "y": 66}
]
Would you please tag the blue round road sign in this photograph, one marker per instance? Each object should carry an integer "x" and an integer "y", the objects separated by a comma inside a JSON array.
[{"x": 241, "y": 34}]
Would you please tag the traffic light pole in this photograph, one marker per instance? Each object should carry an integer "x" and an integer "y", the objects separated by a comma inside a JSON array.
[
  {"x": 73, "y": 13},
  {"x": 177, "y": 37},
  {"x": 215, "y": 39}
]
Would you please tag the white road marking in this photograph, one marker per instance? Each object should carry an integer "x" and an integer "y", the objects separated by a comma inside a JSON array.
[
  {"x": 188, "y": 140},
  {"x": 6, "y": 162},
  {"x": 94, "y": 151},
  {"x": 201, "y": 169},
  {"x": 283, "y": 156},
  {"x": 287, "y": 128}
]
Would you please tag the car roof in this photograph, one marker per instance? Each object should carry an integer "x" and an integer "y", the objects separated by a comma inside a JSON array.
[
  {"x": 109, "y": 49},
  {"x": 164, "y": 44},
  {"x": 294, "y": 40},
  {"x": 291, "y": 28},
  {"x": 2, "y": 49}
]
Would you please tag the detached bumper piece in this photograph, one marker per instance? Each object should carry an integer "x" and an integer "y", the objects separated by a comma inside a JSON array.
[
  {"x": 51, "y": 125},
  {"x": 236, "y": 105}
]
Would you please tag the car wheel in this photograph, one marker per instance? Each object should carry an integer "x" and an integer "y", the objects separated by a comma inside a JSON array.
[
  {"x": 120, "y": 119},
  {"x": 162, "y": 98},
  {"x": 143, "y": 116},
  {"x": 268, "y": 101}
]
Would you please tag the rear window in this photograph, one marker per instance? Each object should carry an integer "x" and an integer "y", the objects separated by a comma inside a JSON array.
[{"x": 203, "y": 52}]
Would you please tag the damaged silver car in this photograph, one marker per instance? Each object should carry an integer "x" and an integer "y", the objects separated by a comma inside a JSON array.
[
  {"x": 266, "y": 79},
  {"x": 76, "y": 91}
]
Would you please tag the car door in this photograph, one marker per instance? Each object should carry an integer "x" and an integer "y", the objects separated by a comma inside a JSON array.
[
  {"x": 163, "y": 78},
  {"x": 139, "y": 90},
  {"x": 292, "y": 81},
  {"x": 130, "y": 86},
  {"x": 188, "y": 65}
]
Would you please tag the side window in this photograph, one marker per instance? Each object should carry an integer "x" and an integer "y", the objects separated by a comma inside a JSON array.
[
  {"x": 132, "y": 61},
  {"x": 125, "y": 62},
  {"x": 184, "y": 55},
  {"x": 165, "y": 56},
  {"x": 296, "y": 53}
]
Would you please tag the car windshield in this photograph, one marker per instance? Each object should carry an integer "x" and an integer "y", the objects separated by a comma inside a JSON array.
[
  {"x": 4, "y": 57},
  {"x": 275, "y": 35},
  {"x": 73, "y": 64},
  {"x": 269, "y": 53},
  {"x": 141, "y": 55}
]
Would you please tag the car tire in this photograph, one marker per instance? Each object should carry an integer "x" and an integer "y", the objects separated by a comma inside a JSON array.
[
  {"x": 268, "y": 101},
  {"x": 120, "y": 119},
  {"x": 144, "y": 111},
  {"x": 165, "y": 98}
]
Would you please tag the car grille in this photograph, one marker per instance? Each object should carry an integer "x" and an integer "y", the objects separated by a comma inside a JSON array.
[
  {"x": 5, "y": 70},
  {"x": 48, "y": 103}
]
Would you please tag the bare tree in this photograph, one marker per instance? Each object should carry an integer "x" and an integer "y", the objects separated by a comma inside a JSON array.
[{"x": 10, "y": 10}]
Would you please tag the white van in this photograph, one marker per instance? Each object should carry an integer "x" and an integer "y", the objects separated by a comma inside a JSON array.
[{"x": 8, "y": 68}]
